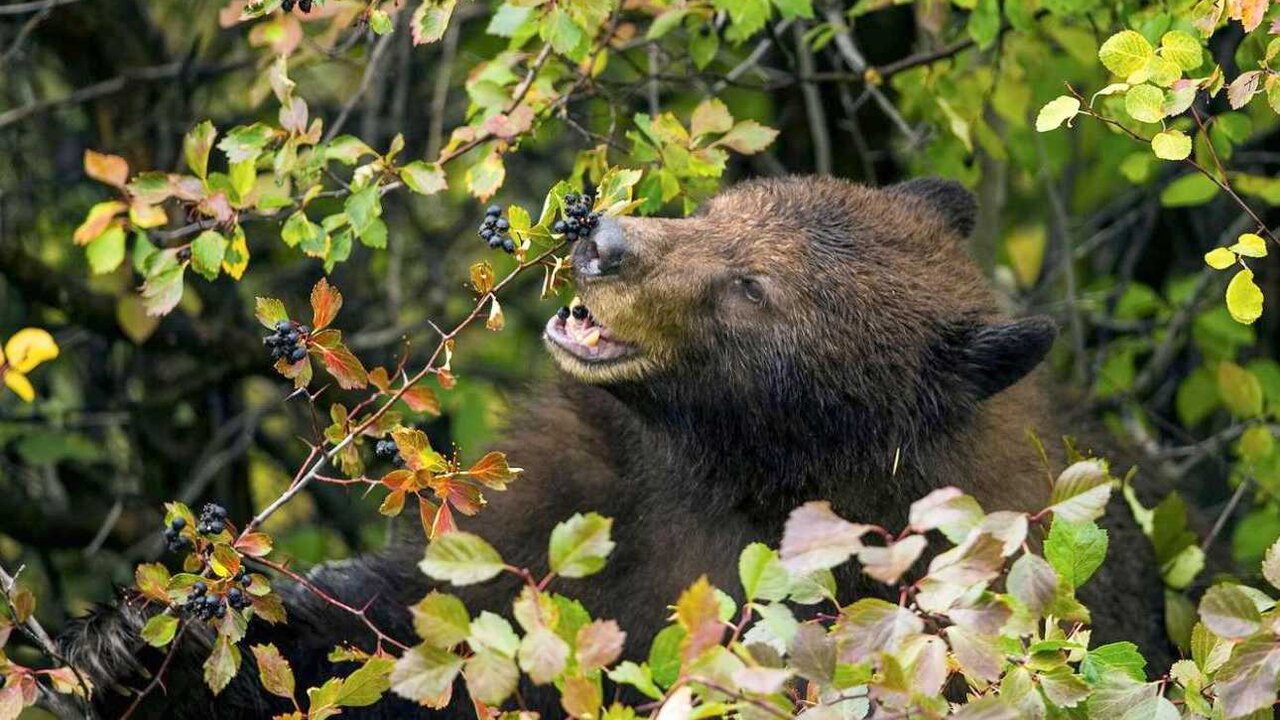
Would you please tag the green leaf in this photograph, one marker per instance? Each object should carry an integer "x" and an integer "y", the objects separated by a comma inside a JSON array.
[
  {"x": 363, "y": 207},
  {"x": 579, "y": 545},
  {"x": 441, "y": 620},
  {"x": 461, "y": 558},
  {"x": 485, "y": 177},
  {"x": 298, "y": 230},
  {"x": 1145, "y": 103},
  {"x": 558, "y": 28},
  {"x": 347, "y": 149},
  {"x": 1116, "y": 657},
  {"x": 269, "y": 312},
  {"x": 430, "y": 20},
  {"x": 246, "y": 142},
  {"x": 711, "y": 116},
  {"x": 425, "y": 674},
  {"x": 222, "y": 665},
  {"x": 1171, "y": 145},
  {"x": 162, "y": 291},
  {"x": 1075, "y": 549},
  {"x": 984, "y": 23},
  {"x": 762, "y": 574},
  {"x": 1228, "y": 612},
  {"x": 748, "y": 137},
  {"x": 424, "y": 178},
  {"x": 106, "y": 252},
  {"x": 196, "y": 146},
  {"x": 664, "y": 655},
  {"x": 1126, "y": 53},
  {"x": 493, "y": 631},
  {"x": 1182, "y": 49},
  {"x": 160, "y": 629},
  {"x": 1188, "y": 190},
  {"x": 1240, "y": 390},
  {"x": 1056, "y": 112},
  {"x": 1081, "y": 491},
  {"x": 367, "y": 684},
  {"x": 1244, "y": 298},
  {"x": 380, "y": 22},
  {"x": 665, "y": 23},
  {"x": 207, "y": 251},
  {"x": 638, "y": 676}
]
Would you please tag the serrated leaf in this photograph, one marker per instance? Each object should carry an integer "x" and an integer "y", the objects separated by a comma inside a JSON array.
[
  {"x": 1081, "y": 492},
  {"x": 1056, "y": 112},
  {"x": 326, "y": 301},
  {"x": 1247, "y": 682},
  {"x": 815, "y": 538},
  {"x": 485, "y": 177},
  {"x": 1145, "y": 103},
  {"x": 424, "y": 178},
  {"x": 599, "y": 643},
  {"x": 492, "y": 470},
  {"x": 711, "y": 116},
  {"x": 152, "y": 580},
  {"x": 1033, "y": 582},
  {"x": 367, "y": 684},
  {"x": 580, "y": 545},
  {"x": 106, "y": 251},
  {"x": 461, "y": 558},
  {"x": 698, "y": 614},
  {"x": 1182, "y": 49},
  {"x": 1228, "y": 612},
  {"x": 207, "y": 252},
  {"x": 441, "y": 620},
  {"x": 870, "y": 626},
  {"x": 748, "y": 137},
  {"x": 946, "y": 509},
  {"x": 160, "y": 629},
  {"x": 1075, "y": 549},
  {"x": 425, "y": 675},
  {"x": 222, "y": 664},
  {"x": 887, "y": 564},
  {"x": 543, "y": 655},
  {"x": 491, "y": 676},
  {"x": 97, "y": 220},
  {"x": 761, "y": 573},
  {"x": 269, "y": 312},
  {"x": 274, "y": 671},
  {"x": 430, "y": 20}
]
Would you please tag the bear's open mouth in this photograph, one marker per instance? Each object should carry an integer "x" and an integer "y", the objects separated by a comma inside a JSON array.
[{"x": 578, "y": 333}]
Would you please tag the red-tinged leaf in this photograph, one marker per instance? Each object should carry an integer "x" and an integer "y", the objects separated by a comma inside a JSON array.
[
  {"x": 1244, "y": 87},
  {"x": 493, "y": 471},
  {"x": 11, "y": 701},
  {"x": 344, "y": 366},
  {"x": 443, "y": 523},
  {"x": 273, "y": 668},
  {"x": 68, "y": 682},
  {"x": 222, "y": 665},
  {"x": 224, "y": 560},
  {"x": 299, "y": 372},
  {"x": 109, "y": 169},
  {"x": 326, "y": 301},
  {"x": 392, "y": 504},
  {"x": 97, "y": 220},
  {"x": 1248, "y": 12},
  {"x": 153, "y": 581},
  {"x": 378, "y": 378},
  {"x": 698, "y": 612},
  {"x": 465, "y": 498},
  {"x": 422, "y": 399},
  {"x": 255, "y": 544},
  {"x": 446, "y": 378},
  {"x": 269, "y": 312},
  {"x": 887, "y": 564},
  {"x": 599, "y": 644},
  {"x": 427, "y": 512},
  {"x": 815, "y": 538},
  {"x": 509, "y": 126}
]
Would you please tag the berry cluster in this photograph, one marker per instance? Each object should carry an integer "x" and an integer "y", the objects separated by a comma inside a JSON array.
[
  {"x": 173, "y": 537},
  {"x": 288, "y": 342},
  {"x": 203, "y": 604},
  {"x": 303, "y": 5},
  {"x": 213, "y": 519},
  {"x": 578, "y": 312},
  {"x": 579, "y": 219},
  {"x": 387, "y": 450},
  {"x": 494, "y": 230}
]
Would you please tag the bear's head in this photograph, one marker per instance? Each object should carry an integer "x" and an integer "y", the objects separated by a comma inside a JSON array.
[{"x": 797, "y": 306}]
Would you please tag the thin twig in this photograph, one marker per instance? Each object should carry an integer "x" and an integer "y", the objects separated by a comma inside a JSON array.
[
  {"x": 370, "y": 69},
  {"x": 818, "y": 133},
  {"x": 854, "y": 58},
  {"x": 34, "y": 6},
  {"x": 749, "y": 62},
  {"x": 159, "y": 676}
]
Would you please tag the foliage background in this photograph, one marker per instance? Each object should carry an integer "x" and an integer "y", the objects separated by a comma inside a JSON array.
[{"x": 1084, "y": 225}]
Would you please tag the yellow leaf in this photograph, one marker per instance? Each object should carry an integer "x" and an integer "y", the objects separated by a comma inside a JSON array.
[
  {"x": 1026, "y": 247},
  {"x": 110, "y": 169},
  {"x": 19, "y": 383},
  {"x": 1171, "y": 145},
  {"x": 1250, "y": 245},
  {"x": 1056, "y": 112},
  {"x": 1219, "y": 258},
  {"x": 28, "y": 348},
  {"x": 1244, "y": 298}
]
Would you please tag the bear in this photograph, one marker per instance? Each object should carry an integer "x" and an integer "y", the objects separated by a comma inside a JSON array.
[{"x": 797, "y": 339}]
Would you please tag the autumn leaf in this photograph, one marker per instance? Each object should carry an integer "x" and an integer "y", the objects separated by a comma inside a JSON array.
[
  {"x": 274, "y": 671},
  {"x": 153, "y": 581},
  {"x": 338, "y": 360},
  {"x": 599, "y": 644},
  {"x": 222, "y": 665},
  {"x": 421, "y": 399},
  {"x": 493, "y": 471},
  {"x": 109, "y": 169},
  {"x": 326, "y": 301},
  {"x": 255, "y": 544},
  {"x": 698, "y": 612}
]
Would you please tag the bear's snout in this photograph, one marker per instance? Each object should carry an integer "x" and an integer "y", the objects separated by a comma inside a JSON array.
[{"x": 602, "y": 253}]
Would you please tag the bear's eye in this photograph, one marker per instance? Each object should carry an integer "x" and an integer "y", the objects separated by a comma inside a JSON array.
[{"x": 751, "y": 289}]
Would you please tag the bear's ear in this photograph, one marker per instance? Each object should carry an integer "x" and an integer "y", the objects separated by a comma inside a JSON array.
[
  {"x": 948, "y": 197},
  {"x": 993, "y": 357}
]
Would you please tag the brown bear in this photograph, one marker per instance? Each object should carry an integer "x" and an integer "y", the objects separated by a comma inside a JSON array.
[{"x": 797, "y": 339}]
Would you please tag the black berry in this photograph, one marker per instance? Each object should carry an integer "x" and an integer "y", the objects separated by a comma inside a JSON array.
[
  {"x": 178, "y": 523},
  {"x": 508, "y": 245},
  {"x": 502, "y": 224},
  {"x": 493, "y": 211},
  {"x": 199, "y": 588},
  {"x": 560, "y": 227},
  {"x": 184, "y": 253},
  {"x": 563, "y": 313},
  {"x": 297, "y": 354},
  {"x": 286, "y": 5},
  {"x": 580, "y": 312},
  {"x": 495, "y": 242}
]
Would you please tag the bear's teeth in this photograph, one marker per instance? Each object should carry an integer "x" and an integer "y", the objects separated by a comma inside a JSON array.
[{"x": 592, "y": 338}]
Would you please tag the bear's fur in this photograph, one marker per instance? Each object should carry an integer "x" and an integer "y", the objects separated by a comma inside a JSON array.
[{"x": 798, "y": 339}]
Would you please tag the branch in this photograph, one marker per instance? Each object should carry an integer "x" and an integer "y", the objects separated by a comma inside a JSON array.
[
  {"x": 813, "y": 108},
  {"x": 849, "y": 50}
]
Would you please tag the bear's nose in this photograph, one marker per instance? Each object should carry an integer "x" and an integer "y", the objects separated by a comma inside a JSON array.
[{"x": 602, "y": 252}]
